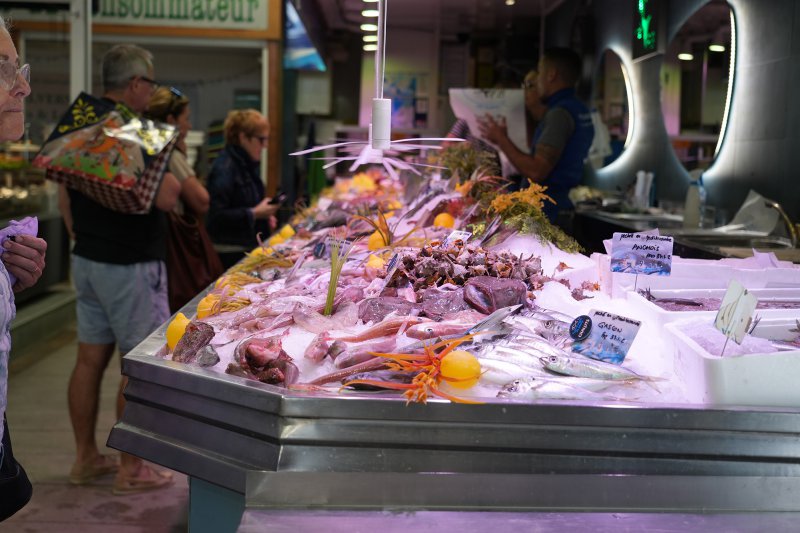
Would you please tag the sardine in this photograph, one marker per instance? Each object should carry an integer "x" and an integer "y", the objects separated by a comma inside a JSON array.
[
  {"x": 589, "y": 368},
  {"x": 533, "y": 389}
]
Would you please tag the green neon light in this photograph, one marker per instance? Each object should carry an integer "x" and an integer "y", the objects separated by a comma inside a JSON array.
[{"x": 643, "y": 32}]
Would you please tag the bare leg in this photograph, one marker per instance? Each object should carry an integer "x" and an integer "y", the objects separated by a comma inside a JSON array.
[
  {"x": 84, "y": 397},
  {"x": 129, "y": 464},
  {"x": 134, "y": 474}
]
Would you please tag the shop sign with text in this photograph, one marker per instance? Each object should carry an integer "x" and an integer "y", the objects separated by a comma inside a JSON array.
[{"x": 217, "y": 14}]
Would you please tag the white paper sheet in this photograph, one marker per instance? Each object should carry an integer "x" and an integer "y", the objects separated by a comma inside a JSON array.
[{"x": 471, "y": 104}]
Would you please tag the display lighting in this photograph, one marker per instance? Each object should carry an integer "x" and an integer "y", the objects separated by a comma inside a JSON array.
[
  {"x": 370, "y": 38},
  {"x": 510, "y": 2},
  {"x": 379, "y": 148},
  {"x": 371, "y": 13},
  {"x": 369, "y": 27},
  {"x": 685, "y": 56},
  {"x": 716, "y": 48},
  {"x": 370, "y": 1},
  {"x": 731, "y": 76}
]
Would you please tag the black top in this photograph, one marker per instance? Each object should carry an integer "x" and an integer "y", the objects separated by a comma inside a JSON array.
[
  {"x": 234, "y": 186},
  {"x": 108, "y": 236}
]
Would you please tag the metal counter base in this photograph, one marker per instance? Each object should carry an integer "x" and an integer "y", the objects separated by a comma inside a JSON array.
[
  {"x": 250, "y": 445},
  {"x": 287, "y": 521}
]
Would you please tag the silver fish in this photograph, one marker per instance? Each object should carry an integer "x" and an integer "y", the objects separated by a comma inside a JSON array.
[
  {"x": 542, "y": 325},
  {"x": 532, "y": 389},
  {"x": 500, "y": 371},
  {"x": 589, "y": 368}
]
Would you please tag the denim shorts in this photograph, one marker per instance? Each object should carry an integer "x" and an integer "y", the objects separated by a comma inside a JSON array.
[{"x": 120, "y": 304}]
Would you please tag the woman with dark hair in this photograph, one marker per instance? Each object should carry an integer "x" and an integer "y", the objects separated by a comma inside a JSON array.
[{"x": 239, "y": 211}]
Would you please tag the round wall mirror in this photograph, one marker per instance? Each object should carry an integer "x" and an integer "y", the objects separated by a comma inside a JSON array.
[
  {"x": 695, "y": 78},
  {"x": 610, "y": 112}
]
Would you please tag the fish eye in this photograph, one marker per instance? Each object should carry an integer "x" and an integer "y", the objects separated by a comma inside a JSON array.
[
  {"x": 428, "y": 330},
  {"x": 553, "y": 359},
  {"x": 548, "y": 324}
]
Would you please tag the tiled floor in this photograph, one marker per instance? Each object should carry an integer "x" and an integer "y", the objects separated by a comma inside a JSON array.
[{"x": 43, "y": 443}]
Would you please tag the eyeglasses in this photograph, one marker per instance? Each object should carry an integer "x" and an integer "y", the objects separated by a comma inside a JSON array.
[
  {"x": 262, "y": 138},
  {"x": 9, "y": 73},
  {"x": 152, "y": 82},
  {"x": 527, "y": 85}
]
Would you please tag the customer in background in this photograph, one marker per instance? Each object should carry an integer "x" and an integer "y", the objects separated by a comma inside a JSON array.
[
  {"x": 192, "y": 262},
  {"x": 23, "y": 258},
  {"x": 562, "y": 139},
  {"x": 239, "y": 211},
  {"x": 120, "y": 282}
]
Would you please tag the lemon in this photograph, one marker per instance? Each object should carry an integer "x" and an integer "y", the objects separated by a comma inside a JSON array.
[
  {"x": 460, "y": 369},
  {"x": 275, "y": 240},
  {"x": 444, "y": 220},
  {"x": 258, "y": 251},
  {"x": 376, "y": 241},
  {"x": 287, "y": 231},
  {"x": 205, "y": 307},
  {"x": 176, "y": 329},
  {"x": 375, "y": 262}
]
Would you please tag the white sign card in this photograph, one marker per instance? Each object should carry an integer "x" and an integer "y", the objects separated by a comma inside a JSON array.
[
  {"x": 470, "y": 105},
  {"x": 641, "y": 253},
  {"x": 456, "y": 235},
  {"x": 736, "y": 312},
  {"x": 610, "y": 337}
]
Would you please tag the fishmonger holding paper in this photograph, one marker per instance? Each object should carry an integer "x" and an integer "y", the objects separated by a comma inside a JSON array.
[{"x": 563, "y": 137}]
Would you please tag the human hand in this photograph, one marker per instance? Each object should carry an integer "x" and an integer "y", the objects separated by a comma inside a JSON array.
[
  {"x": 264, "y": 209},
  {"x": 493, "y": 130},
  {"x": 24, "y": 259},
  {"x": 273, "y": 222}
]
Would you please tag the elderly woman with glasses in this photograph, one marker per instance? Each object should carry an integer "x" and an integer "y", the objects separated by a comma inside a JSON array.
[
  {"x": 239, "y": 211},
  {"x": 22, "y": 261}
]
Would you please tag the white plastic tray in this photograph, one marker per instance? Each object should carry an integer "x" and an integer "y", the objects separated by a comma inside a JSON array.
[
  {"x": 652, "y": 311},
  {"x": 699, "y": 274},
  {"x": 768, "y": 379}
]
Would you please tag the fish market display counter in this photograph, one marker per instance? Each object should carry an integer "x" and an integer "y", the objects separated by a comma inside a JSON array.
[{"x": 251, "y": 449}]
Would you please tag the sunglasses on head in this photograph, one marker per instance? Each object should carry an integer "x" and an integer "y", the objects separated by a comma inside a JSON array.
[{"x": 177, "y": 99}]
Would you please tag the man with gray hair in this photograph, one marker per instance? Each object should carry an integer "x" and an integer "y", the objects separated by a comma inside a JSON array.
[{"x": 119, "y": 272}]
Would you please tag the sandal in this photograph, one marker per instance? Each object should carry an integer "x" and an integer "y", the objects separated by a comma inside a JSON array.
[
  {"x": 83, "y": 474},
  {"x": 147, "y": 478}
]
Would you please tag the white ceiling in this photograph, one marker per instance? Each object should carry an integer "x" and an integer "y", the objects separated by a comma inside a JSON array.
[{"x": 453, "y": 17}]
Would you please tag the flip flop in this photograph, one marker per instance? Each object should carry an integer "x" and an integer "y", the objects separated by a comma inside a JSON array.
[
  {"x": 146, "y": 479},
  {"x": 83, "y": 474}
]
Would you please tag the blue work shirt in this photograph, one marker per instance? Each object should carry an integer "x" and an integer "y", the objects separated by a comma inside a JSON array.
[{"x": 568, "y": 171}]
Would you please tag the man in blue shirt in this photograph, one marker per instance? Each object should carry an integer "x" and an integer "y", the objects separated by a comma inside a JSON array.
[{"x": 563, "y": 137}]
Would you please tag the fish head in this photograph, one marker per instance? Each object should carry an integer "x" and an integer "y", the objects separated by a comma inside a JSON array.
[
  {"x": 511, "y": 388},
  {"x": 425, "y": 330},
  {"x": 549, "y": 360}
]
